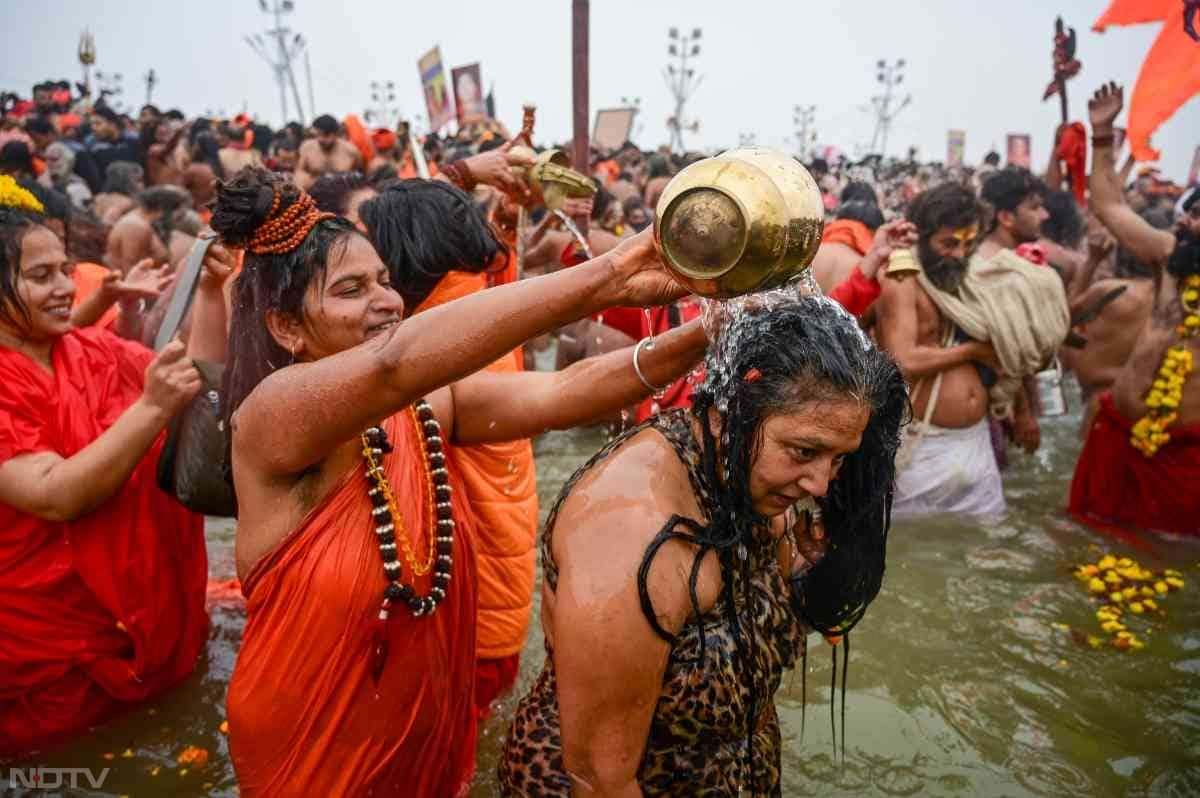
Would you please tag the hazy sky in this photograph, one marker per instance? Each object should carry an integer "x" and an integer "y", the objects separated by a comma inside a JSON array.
[{"x": 980, "y": 66}]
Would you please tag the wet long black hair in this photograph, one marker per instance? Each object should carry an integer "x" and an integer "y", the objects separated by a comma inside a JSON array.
[
  {"x": 267, "y": 282},
  {"x": 423, "y": 229},
  {"x": 769, "y": 363},
  {"x": 15, "y": 224}
]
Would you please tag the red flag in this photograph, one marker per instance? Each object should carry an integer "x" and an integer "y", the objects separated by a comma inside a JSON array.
[{"x": 1170, "y": 74}]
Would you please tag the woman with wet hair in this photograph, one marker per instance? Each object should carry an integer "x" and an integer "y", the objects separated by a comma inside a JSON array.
[
  {"x": 102, "y": 600},
  {"x": 681, "y": 575},
  {"x": 355, "y": 548}
]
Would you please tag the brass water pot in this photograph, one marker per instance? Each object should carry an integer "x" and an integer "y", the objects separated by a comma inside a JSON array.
[
  {"x": 748, "y": 220},
  {"x": 553, "y": 178}
]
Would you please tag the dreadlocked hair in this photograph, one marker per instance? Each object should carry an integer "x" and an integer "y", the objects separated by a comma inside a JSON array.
[
  {"x": 774, "y": 362},
  {"x": 15, "y": 224},
  {"x": 423, "y": 229},
  {"x": 274, "y": 282}
]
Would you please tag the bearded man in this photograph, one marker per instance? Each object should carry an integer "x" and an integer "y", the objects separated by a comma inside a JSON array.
[
  {"x": 326, "y": 152},
  {"x": 1141, "y": 463},
  {"x": 951, "y": 467}
]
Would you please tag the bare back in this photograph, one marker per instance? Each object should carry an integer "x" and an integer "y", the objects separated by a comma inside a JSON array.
[
  {"x": 233, "y": 160},
  {"x": 132, "y": 239},
  {"x": 1111, "y": 336},
  {"x": 833, "y": 264}
]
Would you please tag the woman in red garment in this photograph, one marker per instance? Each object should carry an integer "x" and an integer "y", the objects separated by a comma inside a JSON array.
[
  {"x": 102, "y": 575},
  {"x": 356, "y": 555}
]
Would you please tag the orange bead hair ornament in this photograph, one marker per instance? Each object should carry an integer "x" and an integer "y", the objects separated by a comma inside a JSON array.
[{"x": 286, "y": 231}]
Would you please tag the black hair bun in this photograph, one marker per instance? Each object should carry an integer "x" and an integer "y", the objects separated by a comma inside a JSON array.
[{"x": 244, "y": 203}]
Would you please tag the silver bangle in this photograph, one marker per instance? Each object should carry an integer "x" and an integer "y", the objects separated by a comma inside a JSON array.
[{"x": 637, "y": 368}]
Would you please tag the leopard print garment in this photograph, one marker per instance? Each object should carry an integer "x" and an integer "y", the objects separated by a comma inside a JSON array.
[{"x": 698, "y": 738}]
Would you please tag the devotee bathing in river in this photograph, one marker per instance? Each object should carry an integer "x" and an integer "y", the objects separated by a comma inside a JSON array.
[{"x": 681, "y": 577}]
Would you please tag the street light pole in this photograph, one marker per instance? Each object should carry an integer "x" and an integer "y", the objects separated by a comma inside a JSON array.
[
  {"x": 683, "y": 81},
  {"x": 383, "y": 112},
  {"x": 890, "y": 76},
  {"x": 580, "y": 11},
  {"x": 802, "y": 118},
  {"x": 280, "y": 63}
]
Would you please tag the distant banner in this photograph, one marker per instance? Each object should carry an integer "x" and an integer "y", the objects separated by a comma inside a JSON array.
[
  {"x": 1194, "y": 172},
  {"x": 1018, "y": 149},
  {"x": 437, "y": 94},
  {"x": 612, "y": 128},
  {"x": 956, "y": 146},
  {"x": 469, "y": 103}
]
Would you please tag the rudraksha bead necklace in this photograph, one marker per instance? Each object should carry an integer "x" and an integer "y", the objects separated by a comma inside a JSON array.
[{"x": 389, "y": 524}]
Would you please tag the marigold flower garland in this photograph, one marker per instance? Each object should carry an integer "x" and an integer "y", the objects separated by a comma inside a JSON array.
[
  {"x": 1149, "y": 434},
  {"x": 12, "y": 195},
  {"x": 1125, "y": 586}
]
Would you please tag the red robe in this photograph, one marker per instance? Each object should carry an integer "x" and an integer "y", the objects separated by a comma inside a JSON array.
[
  {"x": 1117, "y": 488},
  {"x": 305, "y": 715},
  {"x": 856, "y": 293},
  {"x": 107, "y": 610}
]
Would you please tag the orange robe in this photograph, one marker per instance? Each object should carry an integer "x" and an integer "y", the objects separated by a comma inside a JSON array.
[
  {"x": 501, "y": 486},
  {"x": 357, "y": 134},
  {"x": 88, "y": 278},
  {"x": 1170, "y": 75},
  {"x": 850, "y": 232},
  {"x": 105, "y": 611},
  {"x": 305, "y": 715}
]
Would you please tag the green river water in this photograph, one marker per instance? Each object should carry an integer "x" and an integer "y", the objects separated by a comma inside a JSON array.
[{"x": 963, "y": 680}]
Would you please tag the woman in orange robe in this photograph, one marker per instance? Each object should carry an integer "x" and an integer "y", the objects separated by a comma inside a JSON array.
[
  {"x": 356, "y": 671},
  {"x": 500, "y": 478},
  {"x": 102, "y": 575}
]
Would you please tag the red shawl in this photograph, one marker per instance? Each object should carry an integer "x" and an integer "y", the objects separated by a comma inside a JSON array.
[
  {"x": 107, "y": 610},
  {"x": 1116, "y": 487}
]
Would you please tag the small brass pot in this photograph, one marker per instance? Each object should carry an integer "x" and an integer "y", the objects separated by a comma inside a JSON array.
[
  {"x": 745, "y": 221},
  {"x": 553, "y": 178}
]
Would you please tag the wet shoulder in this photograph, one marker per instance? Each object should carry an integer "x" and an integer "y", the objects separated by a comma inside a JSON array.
[
  {"x": 625, "y": 499},
  {"x": 608, "y": 523}
]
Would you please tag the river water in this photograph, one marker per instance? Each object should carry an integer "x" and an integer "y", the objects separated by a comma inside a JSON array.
[{"x": 970, "y": 675}]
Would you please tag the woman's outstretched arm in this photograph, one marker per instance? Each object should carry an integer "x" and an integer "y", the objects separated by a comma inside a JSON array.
[
  {"x": 329, "y": 401},
  {"x": 491, "y": 406}
]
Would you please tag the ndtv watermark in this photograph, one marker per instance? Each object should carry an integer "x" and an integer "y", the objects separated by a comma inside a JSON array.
[{"x": 55, "y": 778}]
